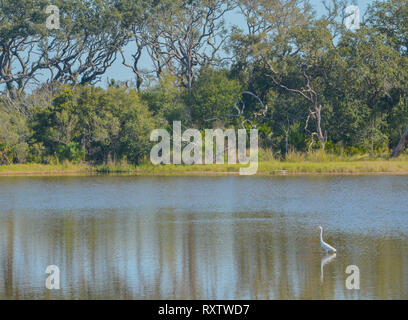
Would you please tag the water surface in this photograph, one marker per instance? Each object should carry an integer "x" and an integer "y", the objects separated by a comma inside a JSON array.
[{"x": 129, "y": 237}]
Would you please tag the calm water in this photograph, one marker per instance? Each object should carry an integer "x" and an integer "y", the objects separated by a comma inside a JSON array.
[{"x": 126, "y": 237}]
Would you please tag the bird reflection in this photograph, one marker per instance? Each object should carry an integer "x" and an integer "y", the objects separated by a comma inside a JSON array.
[{"x": 325, "y": 260}]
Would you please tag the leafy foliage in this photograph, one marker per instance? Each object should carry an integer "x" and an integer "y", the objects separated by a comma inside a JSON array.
[{"x": 305, "y": 82}]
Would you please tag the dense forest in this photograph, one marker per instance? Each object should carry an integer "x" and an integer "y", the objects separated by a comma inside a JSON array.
[{"x": 302, "y": 78}]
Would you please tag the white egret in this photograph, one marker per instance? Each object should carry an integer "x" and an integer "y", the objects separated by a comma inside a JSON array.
[{"x": 325, "y": 245}]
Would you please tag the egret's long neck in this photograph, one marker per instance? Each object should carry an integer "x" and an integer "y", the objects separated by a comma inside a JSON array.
[{"x": 321, "y": 235}]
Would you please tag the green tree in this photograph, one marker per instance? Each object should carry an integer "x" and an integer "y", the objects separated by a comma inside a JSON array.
[
  {"x": 212, "y": 97},
  {"x": 22, "y": 26},
  {"x": 166, "y": 100},
  {"x": 14, "y": 137}
]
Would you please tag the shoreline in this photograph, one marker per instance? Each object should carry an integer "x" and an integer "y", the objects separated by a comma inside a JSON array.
[{"x": 137, "y": 172}]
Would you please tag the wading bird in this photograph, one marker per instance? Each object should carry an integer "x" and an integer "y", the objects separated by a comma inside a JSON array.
[{"x": 325, "y": 245}]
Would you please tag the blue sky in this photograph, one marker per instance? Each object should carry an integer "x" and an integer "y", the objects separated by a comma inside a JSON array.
[{"x": 119, "y": 72}]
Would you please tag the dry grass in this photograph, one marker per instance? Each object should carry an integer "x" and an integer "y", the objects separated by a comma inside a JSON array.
[
  {"x": 36, "y": 168},
  {"x": 313, "y": 163}
]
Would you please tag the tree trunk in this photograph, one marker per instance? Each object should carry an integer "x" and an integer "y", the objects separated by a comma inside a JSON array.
[
  {"x": 318, "y": 119},
  {"x": 401, "y": 145},
  {"x": 372, "y": 137}
]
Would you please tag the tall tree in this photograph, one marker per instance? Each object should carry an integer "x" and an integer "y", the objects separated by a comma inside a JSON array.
[
  {"x": 22, "y": 26},
  {"x": 375, "y": 74},
  {"x": 87, "y": 42},
  {"x": 181, "y": 36},
  {"x": 390, "y": 18},
  {"x": 293, "y": 49}
]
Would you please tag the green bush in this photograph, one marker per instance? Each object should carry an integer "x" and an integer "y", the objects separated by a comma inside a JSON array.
[
  {"x": 14, "y": 136},
  {"x": 72, "y": 152}
]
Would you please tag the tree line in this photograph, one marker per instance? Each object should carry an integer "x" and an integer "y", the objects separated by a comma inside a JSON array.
[{"x": 303, "y": 79}]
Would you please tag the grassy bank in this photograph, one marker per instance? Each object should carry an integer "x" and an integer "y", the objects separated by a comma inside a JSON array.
[
  {"x": 296, "y": 165},
  {"x": 275, "y": 167},
  {"x": 44, "y": 169}
]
